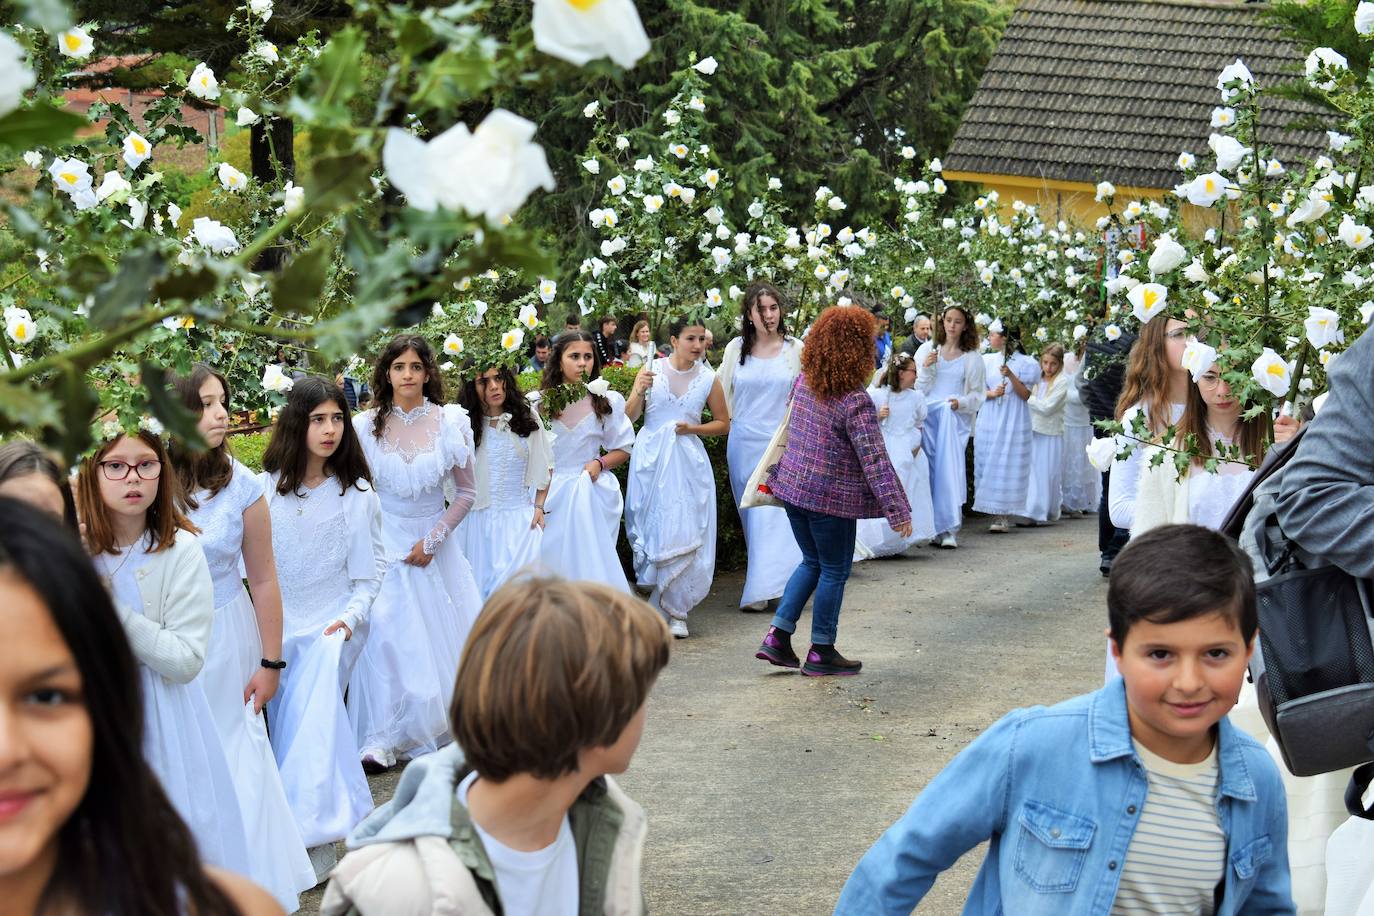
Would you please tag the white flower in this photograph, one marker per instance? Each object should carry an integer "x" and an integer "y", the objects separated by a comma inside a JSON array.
[
  {"x": 1354, "y": 235},
  {"x": 1325, "y": 61},
  {"x": 1168, "y": 254},
  {"x": 203, "y": 84},
  {"x": 579, "y": 32},
  {"x": 822, "y": 193},
  {"x": 908, "y": 152},
  {"x": 706, "y": 66},
  {"x": 1205, "y": 190},
  {"x": 479, "y": 310},
  {"x": 1229, "y": 151},
  {"x": 1313, "y": 207},
  {"x": 1079, "y": 332},
  {"x": 15, "y": 76},
  {"x": 1323, "y": 326},
  {"x": 1195, "y": 272},
  {"x": 548, "y": 290},
  {"x": 679, "y": 150},
  {"x": 1236, "y": 72},
  {"x": 1364, "y": 18},
  {"x": 273, "y": 379},
  {"x": 938, "y": 186},
  {"x": 672, "y": 118},
  {"x": 247, "y": 116},
  {"x": 489, "y": 171},
  {"x": 653, "y": 203},
  {"x": 821, "y": 271},
  {"x": 774, "y": 184},
  {"x": 230, "y": 178},
  {"x": 33, "y": 158},
  {"x": 20, "y": 326},
  {"x": 112, "y": 184},
  {"x": 735, "y": 292},
  {"x": 713, "y": 298},
  {"x": 1101, "y": 453},
  {"x": 173, "y": 214},
  {"x": 138, "y": 214},
  {"x": 722, "y": 232},
  {"x": 591, "y": 165},
  {"x": 622, "y": 142},
  {"x": 1198, "y": 357},
  {"x": 1223, "y": 117},
  {"x": 697, "y": 103},
  {"x": 267, "y": 51},
  {"x": 835, "y": 204},
  {"x": 710, "y": 178},
  {"x": 589, "y": 110},
  {"x": 252, "y": 284},
  {"x": 935, "y": 165},
  {"x": 1271, "y": 373},
  {"x": 292, "y": 199},
  {"x": 645, "y": 164},
  {"x": 1112, "y": 332},
  {"x": 75, "y": 43},
  {"x": 1367, "y": 311},
  {"x": 214, "y": 235},
  {"x": 261, "y": 8},
  {"x": 721, "y": 258},
  {"x": 1105, "y": 189},
  {"x": 512, "y": 339},
  {"x": 71, "y": 176}
]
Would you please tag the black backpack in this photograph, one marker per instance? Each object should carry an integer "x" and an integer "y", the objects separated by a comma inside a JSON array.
[{"x": 1313, "y": 667}]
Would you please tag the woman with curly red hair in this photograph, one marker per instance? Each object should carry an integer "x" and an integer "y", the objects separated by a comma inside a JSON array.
[{"x": 834, "y": 471}]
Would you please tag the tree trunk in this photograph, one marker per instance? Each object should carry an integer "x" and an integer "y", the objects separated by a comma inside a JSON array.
[{"x": 272, "y": 154}]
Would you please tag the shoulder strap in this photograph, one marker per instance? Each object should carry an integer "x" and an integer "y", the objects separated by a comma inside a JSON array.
[{"x": 1274, "y": 461}]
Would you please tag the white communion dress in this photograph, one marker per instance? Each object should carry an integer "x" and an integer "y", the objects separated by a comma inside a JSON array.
[
  {"x": 278, "y": 860},
  {"x": 180, "y": 741},
  {"x": 902, "y": 436},
  {"x": 944, "y": 438},
  {"x": 403, "y": 680},
  {"x": 1082, "y": 482},
  {"x": 497, "y": 536},
  {"x": 583, "y": 520},
  {"x": 670, "y": 510},
  {"x": 1002, "y": 438},
  {"x": 1045, "y": 495},
  {"x": 330, "y": 562},
  {"x": 761, "y": 389}
]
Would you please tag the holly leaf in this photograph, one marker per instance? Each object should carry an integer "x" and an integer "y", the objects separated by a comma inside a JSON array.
[
  {"x": 40, "y": 125},
  {"x": 336, "y": 182},
  {"x": 128, "y": 290},
  {"x": 297, "y": 288},
  {"x": 167, "y": 407}
]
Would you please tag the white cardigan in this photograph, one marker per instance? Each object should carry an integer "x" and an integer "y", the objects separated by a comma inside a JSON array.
[
  {"x": 1047, "y": 410},
  {"x": 975, "y": 379},
  {"x": 729, "y": 362},
  {"x": 170, "y": 632},
  {"x": 1161, "y": 496}
]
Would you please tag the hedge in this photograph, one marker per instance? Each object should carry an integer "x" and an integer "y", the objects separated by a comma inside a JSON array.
[{"x": 730, "y": 550}]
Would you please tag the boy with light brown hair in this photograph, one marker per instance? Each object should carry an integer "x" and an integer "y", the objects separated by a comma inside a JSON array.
[{"x": 520, "y": 816}]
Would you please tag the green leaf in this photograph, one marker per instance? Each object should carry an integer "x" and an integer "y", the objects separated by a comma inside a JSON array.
[
  {"x": 186, "y": 285},
  {"x": 129, "y": 290},
  {"x": 51, "y": 16},
  {"x": 167, "y": 406},
  {"x": 41, "y": 125},
  {"x": 297, "y": 288},
  {"x": 72, "y": 435},
  {"x": 336, "y": 182},
  {"x": 22, "y": 408},
  {"x": 336, "y": 71}
]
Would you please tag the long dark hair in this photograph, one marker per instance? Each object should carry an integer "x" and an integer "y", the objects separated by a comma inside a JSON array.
[
  {"x": 1147, "y": 375},
  {"x": 522, "y": 420},
  {"x": 21, "y": 458},
  {"x": 1253, "y": 436},
  {"x": 382, "y": 394},
  {"x": 752, "y": 295},
  {"x": 553, "y": 369},
  {"x": 124, "y": 850},
  {"x": 286, "y": 454},
  {"x": 213, "y": 468},
  {"x": 968, "y": 338}
]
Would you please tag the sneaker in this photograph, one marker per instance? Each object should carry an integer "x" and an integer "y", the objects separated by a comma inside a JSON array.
[
  {"x": 822, "y": 661},
  {"x": 323, "y": 858},
  {"x": 678, "y": 627},
  {"x": 755, "y": 606},
  {"x": 946, "y": 541},
  {"x": 777, "y": 649},
  {"x": 999, "y": 525},
  {"x": 376, "y": 760}
]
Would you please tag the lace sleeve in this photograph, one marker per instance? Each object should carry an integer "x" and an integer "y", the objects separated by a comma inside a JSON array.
[{"x": 464, "y": 494}]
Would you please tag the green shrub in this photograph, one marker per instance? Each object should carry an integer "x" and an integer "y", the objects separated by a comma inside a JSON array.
[{"x": 249, "y": 447}]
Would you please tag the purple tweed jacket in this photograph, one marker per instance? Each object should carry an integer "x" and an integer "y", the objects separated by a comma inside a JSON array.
[{"x": 835, "y": 461}]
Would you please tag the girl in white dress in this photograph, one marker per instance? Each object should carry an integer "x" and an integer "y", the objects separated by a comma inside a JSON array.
[
  {"x": 224, "y": 501},
  {"x": 1046, "y": 403},
  {"x": 642, "y": 350},
  {"x": 951, "y": 375},
  {"x": 504, "y": 531},
  {"x": 583, "y": 505},
  {"x": 1082, "y": 482},
  {"x": 327, "y": 538},
  {"x": 146, "y": 551},
  {"x": 1002, "y": 438},
  {"x": 901, "y": 411},
  {"x": 756, "y": 375},
  {"x": 670, "y": 511},
  {"x": 399, "y": 694}
]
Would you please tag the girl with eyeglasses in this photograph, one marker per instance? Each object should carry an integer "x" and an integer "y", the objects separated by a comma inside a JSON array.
[{"x": 147, "y": 553}]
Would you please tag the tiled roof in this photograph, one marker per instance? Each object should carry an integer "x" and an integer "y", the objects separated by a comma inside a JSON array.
[{"x": 1092, "y": 90}]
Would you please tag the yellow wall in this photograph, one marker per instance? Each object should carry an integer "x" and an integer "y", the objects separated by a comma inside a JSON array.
[{"x": 1075, "y": 203}]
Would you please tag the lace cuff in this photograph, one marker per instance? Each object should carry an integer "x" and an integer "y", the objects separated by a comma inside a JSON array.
[{"x": 435, "y": 538}]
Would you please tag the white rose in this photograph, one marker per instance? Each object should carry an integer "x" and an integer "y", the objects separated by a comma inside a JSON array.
[
  {"x": 75, "y": 43},
  {"x": 15, "y": 76},
  {"x": 1323, "y": 326},
  {"x": 1229, "y": 151},
  {"x": 112, "y": 184},
  {"x": 202, "y": 83},
  {"x": 1105, "y": 189},
  {"x": 1101, "y": 454},
  {"x": 583, "y": 32},
  {"x": 247, "y": 116},
  {"x": 214, "y": 235},
  {"x": 706, "y": 66},
  {"x": 230, "y": 178},
  {"x": 1271, "y": 373},
  {"x": 599, "y": 386},
  {"x": 590, "y": 109},
  {"x": 267, "y": 52},
  {"x": 591, "y": 165},
  {"x": 1167, "y": 255},
  {"x": 1198, "y": 357},
  {"x": 273, "y": 379},
  {"x": 261, "y": 8},
  {"x": 774, "y": 184},
  {"x": 293, "y": 199}
]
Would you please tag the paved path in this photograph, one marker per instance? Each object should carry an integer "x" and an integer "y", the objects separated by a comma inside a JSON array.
[{"x": 764, "y": 788}]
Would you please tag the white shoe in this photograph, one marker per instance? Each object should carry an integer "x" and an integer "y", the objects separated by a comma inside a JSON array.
[
  {"x": 947, "y": 541},
  {"x": 756, "y": 606},
  {"x": 999, "y": 525},
  {"x": 375, "y": 759},
  {"x": 323, "y": 858},
  {"x": 677, "y": 627}
]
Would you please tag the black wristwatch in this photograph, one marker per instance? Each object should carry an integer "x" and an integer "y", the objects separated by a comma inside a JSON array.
[{"x": 274, "y": 665}]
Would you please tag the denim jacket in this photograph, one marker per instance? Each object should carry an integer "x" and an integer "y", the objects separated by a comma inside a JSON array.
[{"x": 1059, "y": 791}]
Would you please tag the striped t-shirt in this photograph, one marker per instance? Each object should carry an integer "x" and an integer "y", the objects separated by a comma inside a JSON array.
[{"x": 1177, "y": 856}]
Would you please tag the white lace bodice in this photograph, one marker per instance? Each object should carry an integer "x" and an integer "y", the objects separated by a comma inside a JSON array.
[
  {"x": 310, "y": 544},
  {"x": 949, "y": 378},
  {"x": 587, "y": 437},
  {"x": 220, "y": 520},
  {"x": 676, "y": 396},
  {"x": 506, "y": 455},
  {"x": 762, "y": 387}
]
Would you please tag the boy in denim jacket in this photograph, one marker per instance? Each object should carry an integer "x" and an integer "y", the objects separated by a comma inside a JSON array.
[{"x": 1140, "y": 797}]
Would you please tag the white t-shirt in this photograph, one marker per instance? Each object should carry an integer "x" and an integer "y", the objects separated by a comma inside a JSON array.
[
  {"x": 539, "y": 883},
  {"x": 1177, "y": 855}
]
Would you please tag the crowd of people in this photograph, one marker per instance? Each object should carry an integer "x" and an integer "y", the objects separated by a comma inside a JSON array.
[{"x": 438, "y": 581}]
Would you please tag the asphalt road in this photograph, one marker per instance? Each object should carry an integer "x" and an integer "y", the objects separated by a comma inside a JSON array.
[{"x": 763, "y": 788}]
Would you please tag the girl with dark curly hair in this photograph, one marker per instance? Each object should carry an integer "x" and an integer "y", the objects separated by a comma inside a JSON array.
[
  {"x": 505, "y": 529},
  {"x": 952, "y": 376},
  {"x": 756, "y": 375},
  {"x": 415, "y": 445},
  {"x": 834, "y": 471}
]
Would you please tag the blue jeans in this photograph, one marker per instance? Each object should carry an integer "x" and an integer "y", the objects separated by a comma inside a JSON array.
[{"x": 827, "y": 547}]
